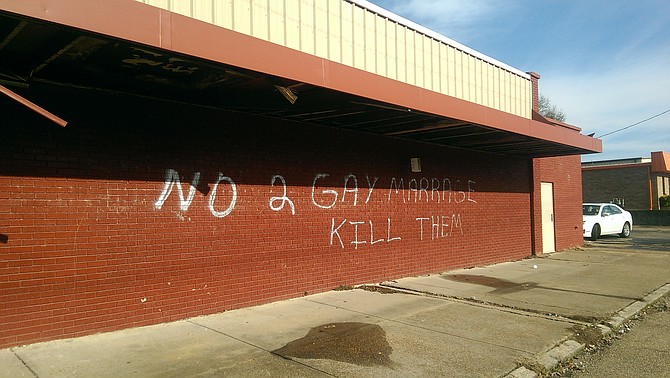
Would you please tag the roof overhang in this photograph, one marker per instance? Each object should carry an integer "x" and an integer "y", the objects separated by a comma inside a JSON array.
[{"x": 126, "y": 46}]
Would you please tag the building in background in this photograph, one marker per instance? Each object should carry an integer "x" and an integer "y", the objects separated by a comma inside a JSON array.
[
  {"x": 635, "y": 183},
  {"x": 225, "y": 154}
]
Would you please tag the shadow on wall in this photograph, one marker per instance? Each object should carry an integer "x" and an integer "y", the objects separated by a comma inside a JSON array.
[
  {"x": 121, "y": 156},
  {"x": 119, "y": 137}
]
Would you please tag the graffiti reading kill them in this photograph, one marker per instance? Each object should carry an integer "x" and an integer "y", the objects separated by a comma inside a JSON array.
[{"x": 223, "y": 198}]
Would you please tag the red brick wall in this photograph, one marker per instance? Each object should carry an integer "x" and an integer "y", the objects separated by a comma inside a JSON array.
[
  {"x": 565, "y": 174},
  {"x": 87, "y": 243},
  {"x": 604, "y": 184}
]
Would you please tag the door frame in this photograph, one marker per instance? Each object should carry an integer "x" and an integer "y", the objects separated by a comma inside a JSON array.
[{"x": 547, "y": 218}]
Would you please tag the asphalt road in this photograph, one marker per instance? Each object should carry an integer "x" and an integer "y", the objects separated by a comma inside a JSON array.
[
  {"x": 655, "y": 238},
  {"x": 642, "y": 350}
]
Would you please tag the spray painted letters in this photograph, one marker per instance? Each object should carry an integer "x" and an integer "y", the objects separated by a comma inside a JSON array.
[
  {"x": 172, "y": 180},
  {"x": 330, "y": 192}
]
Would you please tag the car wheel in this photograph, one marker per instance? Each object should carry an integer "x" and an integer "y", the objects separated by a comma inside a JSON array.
[
  {"x": 625, "y": 232},
  {"x": 595, "y": 232}
]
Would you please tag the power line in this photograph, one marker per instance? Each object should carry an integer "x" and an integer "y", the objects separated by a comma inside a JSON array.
[{"x": 635, "y": 124}]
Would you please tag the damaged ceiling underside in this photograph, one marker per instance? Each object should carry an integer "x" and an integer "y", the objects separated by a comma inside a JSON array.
[{"x": 38, "y": 52}]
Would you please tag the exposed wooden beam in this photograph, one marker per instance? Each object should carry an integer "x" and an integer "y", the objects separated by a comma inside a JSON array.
[
  {"x": 427, "y": 128},
  {"x": 32, "y": 106}
]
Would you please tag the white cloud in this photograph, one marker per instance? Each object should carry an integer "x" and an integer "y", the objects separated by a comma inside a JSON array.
[
  {"x": 611, "y": 93},
  {"x": 461, "y": 20},
  {"x": 616, "y": 97},
  {"x": 456, "y": 12}
]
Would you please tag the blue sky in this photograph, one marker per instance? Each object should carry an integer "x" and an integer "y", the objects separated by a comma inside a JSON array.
[{"x": 606, "y": 64}]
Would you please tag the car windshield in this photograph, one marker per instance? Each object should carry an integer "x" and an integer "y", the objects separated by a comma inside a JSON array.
[{"x": 590, "y": 209}]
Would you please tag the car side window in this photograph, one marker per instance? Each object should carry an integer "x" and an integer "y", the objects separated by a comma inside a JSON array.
[
  {"x": 614, "y": 210},
  {"x": 591, "y": 210},
  {"x": 607, "y": 210}
]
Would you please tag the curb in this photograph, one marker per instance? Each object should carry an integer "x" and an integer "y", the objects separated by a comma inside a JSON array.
[
  {"x": 631, "y": 310},
  {"x": 569, "y": 348},
  {"x": 561, "y": 352},
  {"x": 522, "y": 372},
  {"x": 548, "y": 360}
]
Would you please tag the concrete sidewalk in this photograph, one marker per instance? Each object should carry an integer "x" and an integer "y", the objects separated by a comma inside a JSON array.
[{"x": 503, "y": 320}]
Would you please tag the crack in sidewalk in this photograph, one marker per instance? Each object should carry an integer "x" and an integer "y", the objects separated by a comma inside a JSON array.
[
  {"x": 492, "y": 305},
  {"x": 24, "y": 363},
  {"x": 260, "y": 348}
]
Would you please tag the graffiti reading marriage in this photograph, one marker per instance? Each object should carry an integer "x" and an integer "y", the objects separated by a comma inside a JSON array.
[{"x": 354, "y": 192}]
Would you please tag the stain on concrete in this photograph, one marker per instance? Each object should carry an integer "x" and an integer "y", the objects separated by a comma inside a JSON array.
[
  {"x": 502, "y": 286},
  {"x": 499, "y": 284},
  {"x": 356, "y": 343}
]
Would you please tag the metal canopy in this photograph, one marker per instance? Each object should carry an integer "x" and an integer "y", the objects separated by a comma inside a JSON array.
[{"x": 33, "y": 51}]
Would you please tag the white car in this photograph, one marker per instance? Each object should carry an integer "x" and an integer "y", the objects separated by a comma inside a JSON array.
[{"x": 606, "y": 219}]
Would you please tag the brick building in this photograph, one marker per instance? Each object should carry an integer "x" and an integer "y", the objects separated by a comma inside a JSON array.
[
  {"x": 216, "y": 158},
  {"x": 636, "y": 183}
]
